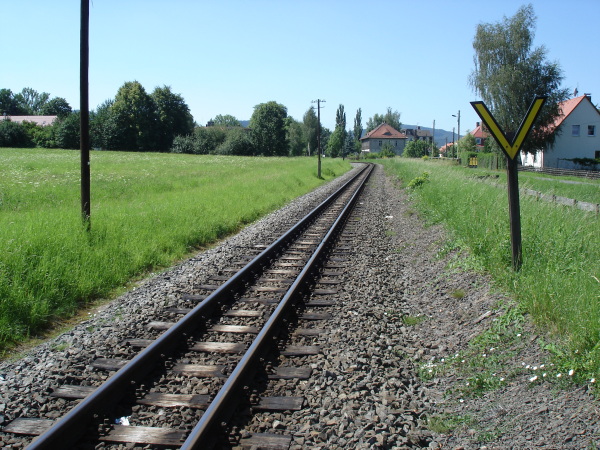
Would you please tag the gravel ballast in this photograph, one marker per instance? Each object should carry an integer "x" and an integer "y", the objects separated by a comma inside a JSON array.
[{"x": 396, "y": 315}]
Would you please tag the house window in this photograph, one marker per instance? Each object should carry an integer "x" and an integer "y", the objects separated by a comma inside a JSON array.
[
  {"x": 574, "y": 130},
  {"x": 597, "y": 154},
  {"x": 478, "y": 141},
  {"x": 591, "y": 130},
  {"x": 380, "y": 143}
]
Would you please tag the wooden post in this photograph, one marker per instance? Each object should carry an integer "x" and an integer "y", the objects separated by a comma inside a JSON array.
[
  {"x": 514, "y": 209},
  {"x": 85, "y": 114}
]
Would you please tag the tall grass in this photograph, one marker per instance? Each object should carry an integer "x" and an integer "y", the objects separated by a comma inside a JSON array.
[
  {"x": 559, "y": 280},
  {"x": 148, "y": 210}
]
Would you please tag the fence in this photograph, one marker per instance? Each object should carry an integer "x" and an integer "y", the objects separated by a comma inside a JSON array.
[
  {"x": 594, "y": 174},
  {"x": 584, "y": 206}
]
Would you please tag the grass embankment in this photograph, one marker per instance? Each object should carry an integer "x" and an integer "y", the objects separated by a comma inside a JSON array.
[
  {"x": 148, "y": 210},
  {"x": 580, "y": 189},
  {"x": 558, "y": 283}
]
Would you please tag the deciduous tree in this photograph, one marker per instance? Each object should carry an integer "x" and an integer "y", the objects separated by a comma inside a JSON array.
[
  {"x": 269, "y": 130},
  {"x": 392, "y": 118},
  {"x": 416, "y": 149},
  {"x": 226, "y": 120},
  {"x": 310, "y": 122},
  {"x": 32, "y": 101},
  {"x": 57, "y": 106},
  {"x": 135, "y": 114},
  {"x": 173, "y": 115},
  {"x": 296, "y": 137},
  {"x": 10, "y": 104},
  {"x": 335, "y": 144},
  {"x": 509, "y": 73}
]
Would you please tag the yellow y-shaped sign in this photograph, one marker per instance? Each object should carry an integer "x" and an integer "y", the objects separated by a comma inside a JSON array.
[{"x": 510, "y": 148}]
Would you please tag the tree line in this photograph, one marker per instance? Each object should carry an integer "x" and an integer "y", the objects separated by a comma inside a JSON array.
[{"x": 136, "y": 120}]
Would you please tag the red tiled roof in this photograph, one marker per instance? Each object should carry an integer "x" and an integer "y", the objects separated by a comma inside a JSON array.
[
  {"x": 566, "y": 108},
  {"x": 480, "y": 132},
  {"x": 384, "y": 131}
]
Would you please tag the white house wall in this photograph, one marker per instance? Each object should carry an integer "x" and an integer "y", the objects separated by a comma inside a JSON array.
[
  {"x": 568, "y": 146},
  {"x": 372, "y": 145}
]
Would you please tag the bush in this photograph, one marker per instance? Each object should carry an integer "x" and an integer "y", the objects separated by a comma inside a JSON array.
[
  {"x": 13, "y": 134},
  {"x": 418, "y": 181},
  {"x": 387, "y": 152},
  {"x": 491, "y": 161},
  {"x": 238, "y": 142},
  {"x": 183, "y": 144},
  {"x": 417, "y": 149}
]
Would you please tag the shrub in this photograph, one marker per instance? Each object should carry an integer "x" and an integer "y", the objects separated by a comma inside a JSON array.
[
  {"x": 418, "y": 181},
  {"x": 13, "y": 134},
  {"x": 238, "y": 142}
]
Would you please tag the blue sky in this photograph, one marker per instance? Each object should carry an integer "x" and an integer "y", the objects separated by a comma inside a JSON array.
[{"x": 226, "y": 56}]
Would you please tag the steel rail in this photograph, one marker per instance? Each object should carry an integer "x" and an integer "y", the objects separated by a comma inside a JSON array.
[
  {"x": 69, "y": 429},
  {"x": 221, "y": 406}
]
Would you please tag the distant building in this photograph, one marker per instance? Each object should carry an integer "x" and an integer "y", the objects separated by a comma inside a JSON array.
[
  {"x": 578, "y": 136},
  {"x": 481, "y": 134},
  {"x": 418, "y": 134},
  {"x": 42, "y": 121},
  {"x": 446, "y": 148},
  {"x": 375, "y": 140}
]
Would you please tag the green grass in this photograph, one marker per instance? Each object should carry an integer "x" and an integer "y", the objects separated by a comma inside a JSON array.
[
  {"x": 580, "y": 189},
  {"x": 148, "y": 210},
  {"x": 558, "y": 283}
]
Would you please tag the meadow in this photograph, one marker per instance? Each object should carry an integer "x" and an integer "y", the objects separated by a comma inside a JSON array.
[
  {"x": 559, "y": 282},
  {"x": 148, "y": 210}
]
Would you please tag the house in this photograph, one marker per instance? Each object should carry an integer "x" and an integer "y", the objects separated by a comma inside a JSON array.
[
  {"x": 447, "y": 149},
  {"x": 481, "y": 134},
  {"x": 384, "y": 135},
  {"x": 578, "y": 129},
  {"x": 38, "y": 120},
  {"x": 418, "y": 134}
]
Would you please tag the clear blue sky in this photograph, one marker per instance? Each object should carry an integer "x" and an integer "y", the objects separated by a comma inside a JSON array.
[{"x": 226, "y": 56}]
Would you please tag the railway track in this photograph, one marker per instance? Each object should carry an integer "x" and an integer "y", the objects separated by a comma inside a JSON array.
[{"x": 224, "y": 337}]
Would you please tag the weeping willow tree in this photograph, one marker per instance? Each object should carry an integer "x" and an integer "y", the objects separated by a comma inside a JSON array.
[{"x": 509, "y": 73}]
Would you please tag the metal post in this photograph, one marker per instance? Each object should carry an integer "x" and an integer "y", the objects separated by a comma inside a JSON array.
[{"x": 85, "y": 114}]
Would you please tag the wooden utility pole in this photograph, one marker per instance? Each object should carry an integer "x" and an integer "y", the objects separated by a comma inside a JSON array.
[
  {"x": 85, "y": 114},
  {"x": 433, "y": 139},
  {"x": 318, "y": 102}
]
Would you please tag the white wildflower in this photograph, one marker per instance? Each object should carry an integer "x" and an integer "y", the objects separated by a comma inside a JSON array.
[
  {"x": 533, "y": 378},
  {"x": 571, "y": 372}
]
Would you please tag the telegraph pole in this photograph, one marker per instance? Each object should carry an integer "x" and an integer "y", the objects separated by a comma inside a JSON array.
[
  {"x": 85, "y": 114},
  {"x": 433, "y": 139},
  {"x": 318, "y": 102}
]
